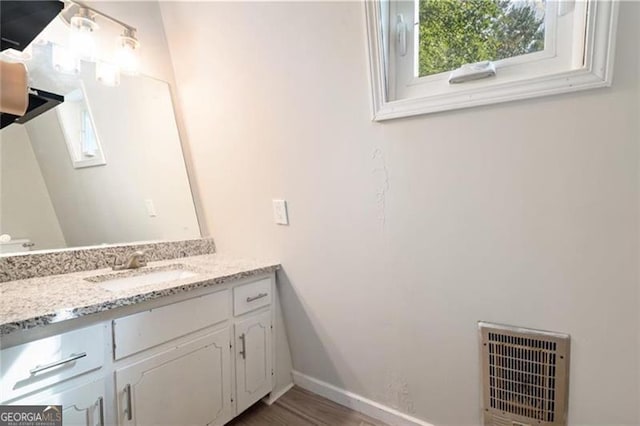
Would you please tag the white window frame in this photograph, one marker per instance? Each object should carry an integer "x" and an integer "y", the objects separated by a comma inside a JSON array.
[
  {"x": 75, "y": 143},
  {"x": 594, "y": 70}
]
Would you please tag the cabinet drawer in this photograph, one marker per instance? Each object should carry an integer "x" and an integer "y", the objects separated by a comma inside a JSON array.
[
  {"x": 35, "y": 365},
  {"x": 144, "y": 330},
  {"x": 249, "y": 297}
]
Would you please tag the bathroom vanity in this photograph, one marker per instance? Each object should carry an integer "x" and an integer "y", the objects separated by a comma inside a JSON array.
[
  {"x": 188, "y": 339},
  {"x": 194, "y": 346}
]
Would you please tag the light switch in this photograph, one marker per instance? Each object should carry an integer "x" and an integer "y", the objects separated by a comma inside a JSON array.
[
  {"x": 151, "y": 209},
  {"x": 280, "y": 215}
]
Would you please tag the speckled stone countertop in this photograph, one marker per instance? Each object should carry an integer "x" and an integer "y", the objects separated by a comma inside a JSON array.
[{"x": 34, "y": 302}]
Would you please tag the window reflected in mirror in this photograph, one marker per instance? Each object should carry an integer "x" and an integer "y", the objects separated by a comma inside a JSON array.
[{"x": 76, "y": 121}]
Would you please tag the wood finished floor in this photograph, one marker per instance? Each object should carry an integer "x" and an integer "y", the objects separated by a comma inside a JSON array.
[{"x": 299, "y": 407}]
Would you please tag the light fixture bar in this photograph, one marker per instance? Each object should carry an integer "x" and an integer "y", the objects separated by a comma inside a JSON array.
[{"x": 104, "y": 15}]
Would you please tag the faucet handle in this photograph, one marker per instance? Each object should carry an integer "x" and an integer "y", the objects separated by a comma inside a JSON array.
[{"x": 115, "y": 258}]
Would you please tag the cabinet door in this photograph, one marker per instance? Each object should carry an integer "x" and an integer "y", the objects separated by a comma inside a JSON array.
[
  {"x": 81, "y": 406},
  {"x": 188, "y": 385},
  {"x": 253, "y": 359}
]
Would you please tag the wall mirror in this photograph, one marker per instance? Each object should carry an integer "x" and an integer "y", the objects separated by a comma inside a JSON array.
[{"x": 104, "y": 167}]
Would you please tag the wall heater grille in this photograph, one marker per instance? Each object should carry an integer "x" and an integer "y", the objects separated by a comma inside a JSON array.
[{"x": 525, "y": 376}]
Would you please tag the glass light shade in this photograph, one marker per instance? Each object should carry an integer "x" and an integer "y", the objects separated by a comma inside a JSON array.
[
  {"x": 108, "y": 73},
  {"x": 81, "y": 39},
  {"x": 65, "y": 61},
  {"x": 83, "y": 44},
  {"x": 127, "y": 55}
]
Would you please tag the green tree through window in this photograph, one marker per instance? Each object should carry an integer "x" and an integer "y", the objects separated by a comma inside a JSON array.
[{"x": 458, "y": 32}]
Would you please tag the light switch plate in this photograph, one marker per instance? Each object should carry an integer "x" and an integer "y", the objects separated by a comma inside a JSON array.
[
  {"x": 151, "y": 208},
  {"x": 280, "y": 215}
]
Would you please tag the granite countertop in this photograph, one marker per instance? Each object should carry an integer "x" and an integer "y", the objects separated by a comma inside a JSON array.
[{"x": 34, "y": 302}]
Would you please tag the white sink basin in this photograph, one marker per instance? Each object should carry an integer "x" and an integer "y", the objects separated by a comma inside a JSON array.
[{"x": 145, "y": 278}]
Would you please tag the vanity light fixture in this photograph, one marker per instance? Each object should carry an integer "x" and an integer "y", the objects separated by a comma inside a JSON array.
[{"x": 82, "y": 19}]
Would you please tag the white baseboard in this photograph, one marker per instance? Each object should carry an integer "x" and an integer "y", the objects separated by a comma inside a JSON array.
[
  {"x": 356, "y": 402},
  {"x": 274, "y": 396}
]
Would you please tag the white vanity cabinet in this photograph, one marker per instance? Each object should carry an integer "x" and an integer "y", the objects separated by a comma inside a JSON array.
[
  {"x": 148, "y": 329},
  {"x": 194, "y": 358},
  {"x": 188, "y": 385},
  {"x": 253, "y": 342},
  {"x": 253, "y": 359},
  {"x": 36, "y": 365},
  {"x": 83, "y": 405}
]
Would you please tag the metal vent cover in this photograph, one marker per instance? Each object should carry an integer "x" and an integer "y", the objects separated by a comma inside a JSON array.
[{"x": 525, "y": 376}]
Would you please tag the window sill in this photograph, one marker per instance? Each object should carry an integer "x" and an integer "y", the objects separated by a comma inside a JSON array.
[{"x": 544, "y": 86}]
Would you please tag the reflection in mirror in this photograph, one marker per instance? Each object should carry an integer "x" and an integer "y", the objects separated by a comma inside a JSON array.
[
  {"x": 50, "y": 195},
  {"x": 79, "y": 130}
]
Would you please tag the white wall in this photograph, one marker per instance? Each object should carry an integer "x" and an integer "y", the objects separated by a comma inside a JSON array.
[
  {"x": 25, "y": 207},
  {"x": 404, "y": 234}
]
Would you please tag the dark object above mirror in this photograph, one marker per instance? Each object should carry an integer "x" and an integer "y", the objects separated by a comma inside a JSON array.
[
  {"x": 39, "y": 101},
  {"x": 22, "y": 21}
]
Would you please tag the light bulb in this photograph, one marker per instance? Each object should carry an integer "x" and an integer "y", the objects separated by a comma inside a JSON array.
[
  {"x": 107, "y": 73},
  {"x": 127, "y": 54}
]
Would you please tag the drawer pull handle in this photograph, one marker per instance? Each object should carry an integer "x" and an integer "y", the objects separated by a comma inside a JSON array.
[
  {"x": 129, "y": 410},
  {"x": 243, "y": 352},
  {"x": 101, "y": 408},
  {"x": 259, "y": 296},
  {"x": 37, "y": 369}
]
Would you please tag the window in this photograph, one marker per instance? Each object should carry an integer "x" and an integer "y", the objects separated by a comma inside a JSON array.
[
  {"x": 436, "y": 55},
  {"x": 452, "y": 33},
  {"x": 79, "y": 130}
]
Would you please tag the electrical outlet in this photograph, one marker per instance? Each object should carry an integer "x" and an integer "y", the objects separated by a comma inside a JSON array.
[
  {"x": 280, "y": 215},
  {"x": 151, "y": 208}
]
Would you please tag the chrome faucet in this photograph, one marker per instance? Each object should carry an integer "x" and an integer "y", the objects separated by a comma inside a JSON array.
[{"x": 134, "y": 261}]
